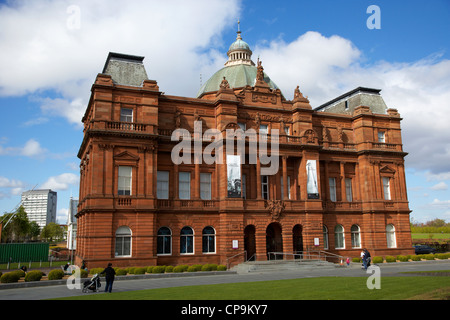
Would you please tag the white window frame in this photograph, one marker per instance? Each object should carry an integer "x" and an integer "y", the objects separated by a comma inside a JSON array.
[
  {"x": 339, "y": 236},
  {"x": 124, "y": 236},
  {"x": 208, "y": 237},
  {"x": 163, "y": 237},
  {"x": 348, "y": 189},
  {"x": 387, "y": 188},
  {"x": 356, "y": 236},
  {"x": 205, "y": 186},
  {"x": 162, "y": 184},
  {"x": 381, "y": 136},
  {"x": 186, "y": 240},
  {"x": 124, "y": 185},
  {"x": 265, "y": 187},
  {"x": 325, "y": 237},
  {"x": 332, "y": 185},
  {"x": 125, "y": 116},
  {"x": 390, "y": 236},
  {"x": 184, "y": 185}
]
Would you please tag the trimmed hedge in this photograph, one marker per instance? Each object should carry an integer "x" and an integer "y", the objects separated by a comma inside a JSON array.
[
  {"x": 10, "y": 277},
  {"x": 34, "y": 275},
  {"x": 55, "y": 274}
]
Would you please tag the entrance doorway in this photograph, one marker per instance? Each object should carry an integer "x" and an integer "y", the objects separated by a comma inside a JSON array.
[
  {"x": 274, "y": 241},
  {"x": 297, "y": 238},
  {"x": 250, "y": 242}
]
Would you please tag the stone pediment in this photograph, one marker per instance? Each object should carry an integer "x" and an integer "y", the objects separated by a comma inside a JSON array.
[
  {"x": 386, "y": 169},
  {"x": 126, "y": 158}
]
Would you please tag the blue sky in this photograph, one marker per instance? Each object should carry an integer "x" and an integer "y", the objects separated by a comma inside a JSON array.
[{"x": 51, "y": 52}]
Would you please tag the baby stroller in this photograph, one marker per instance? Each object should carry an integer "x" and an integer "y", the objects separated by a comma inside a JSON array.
[{"x": 93, "y": 284}]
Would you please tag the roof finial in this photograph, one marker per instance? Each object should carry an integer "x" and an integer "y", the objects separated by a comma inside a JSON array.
[{"x": 239, "y": 31}]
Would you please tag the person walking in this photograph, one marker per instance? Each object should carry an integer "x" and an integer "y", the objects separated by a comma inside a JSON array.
[{"x": 110, "y": 273}]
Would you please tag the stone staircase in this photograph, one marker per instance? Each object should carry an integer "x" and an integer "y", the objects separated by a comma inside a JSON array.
[{"x": 283, "y": 265}]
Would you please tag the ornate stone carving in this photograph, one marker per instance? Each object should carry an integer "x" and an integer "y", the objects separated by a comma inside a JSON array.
[{"x": 275, "y": 207}]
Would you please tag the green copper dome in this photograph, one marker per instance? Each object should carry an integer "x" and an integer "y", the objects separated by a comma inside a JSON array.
[
  {"x": 239, "y": 70},
  {"x": 238, "y": 76}
]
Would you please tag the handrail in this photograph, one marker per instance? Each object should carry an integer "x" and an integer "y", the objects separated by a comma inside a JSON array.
[
  {"x": 228, "y": 259},
  {"x": 319, "y": 254}
]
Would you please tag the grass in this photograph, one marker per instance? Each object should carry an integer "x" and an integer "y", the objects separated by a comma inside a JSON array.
[
  {"x": 323, "y": 288},
  {"x": 427, "y": 235}
]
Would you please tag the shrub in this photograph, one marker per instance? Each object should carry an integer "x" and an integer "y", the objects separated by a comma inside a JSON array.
[
  {"x": 198, "y": 267},
  {"x": 415, "y": 258},
  {"x": 221, "y": 267},
  {"x": 121, "y": 272},
  {"x": 131, "y": 270},
  {"x": 402, "y": 258},
  {"x": 84, "y": 273},
  {"x": 9, "y": 277},
  {"x": 20, "y": 273},
  {"x": 34, "y": 275},
  {"x": 377, "y": 260},
  {"x": 428, "y": 256},
  {"x": 159, "y": 269},
  {"x": 178, "y": 269},
  {"x": 192, "y": 269},
  {"x": 1, "y": 273},
  {"x": 96, "y": 270},
  {"x": 390, "y": 259},
  {"x": 442, "y": 255},
  {"x": 150, "y": 269},
  {"x": 139, "y": 270},
  {"x": 169, "y": 269},
  {"x": 358, "y": 260},
  {"x": 209, "y": 267},
  {"x": 55, "y": 274}
]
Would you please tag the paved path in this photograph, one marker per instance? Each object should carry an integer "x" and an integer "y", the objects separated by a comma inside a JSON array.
[{"x": 56, "y": 291}]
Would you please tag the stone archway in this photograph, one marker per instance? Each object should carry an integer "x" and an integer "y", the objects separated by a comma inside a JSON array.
[
  {"x": 250, "y": 242},
  {"x": 274, "y": 241},
  {"x": 297, "y": 238}
]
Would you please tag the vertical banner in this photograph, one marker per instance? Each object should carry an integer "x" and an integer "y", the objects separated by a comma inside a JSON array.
[
  {"x": 311, "y": 186},
  {"x": 234, "y": 176}
]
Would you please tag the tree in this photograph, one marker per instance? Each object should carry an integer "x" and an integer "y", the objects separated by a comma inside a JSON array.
[
  {"x": 18, "y": 227},
  {"x": 52, "y": 231}
]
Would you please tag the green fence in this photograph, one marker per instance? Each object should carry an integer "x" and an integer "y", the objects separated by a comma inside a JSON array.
[{"x": 24, "y": 252}]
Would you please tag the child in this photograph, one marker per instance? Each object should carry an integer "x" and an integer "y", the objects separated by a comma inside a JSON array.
[{"x": 348, "y": 261}]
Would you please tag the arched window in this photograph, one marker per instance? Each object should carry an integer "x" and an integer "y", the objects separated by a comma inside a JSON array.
[
  {"x": 390, "y": 236},
  {"x": 187, "y": 241},
  {"x": 356, "y": 236},
  {"x": 209, "y": 240},
  {"x": 164, "y": 241},
  {"x": 123, "y": 242},
  {"x": 339, "y": 238}
]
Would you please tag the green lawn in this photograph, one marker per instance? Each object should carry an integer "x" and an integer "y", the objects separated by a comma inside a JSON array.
[
  {"x": 324, "y": 288},
  {"x": 427, "y": 235}
]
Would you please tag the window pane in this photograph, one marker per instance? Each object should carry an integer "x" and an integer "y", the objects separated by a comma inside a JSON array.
[
  {"x": 162, "y": 185},
  {"x": 332, "y": 183},
  {"x": 386, "y": 188},
  {"x": 205, "y": 186},
  {"x": 126, "y": 115},
  {"x": 184, "y": 185},
  {"x": 124, "y": 183},
  {"x": 348, "y": 189}
]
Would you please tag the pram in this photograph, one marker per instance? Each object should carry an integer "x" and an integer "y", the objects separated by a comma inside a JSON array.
[{"x": 93, "y": 284}]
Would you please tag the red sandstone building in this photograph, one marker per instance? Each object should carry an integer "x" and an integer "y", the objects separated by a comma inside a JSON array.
[{"x": 340, "y": 185}]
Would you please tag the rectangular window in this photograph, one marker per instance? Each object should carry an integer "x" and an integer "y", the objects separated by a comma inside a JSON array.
[
  {"x": 184, "y": 185},
  {"x": 205, "y": 186},
  {"x": 265, "y": 187},
  {"x": 126, "y": 115},
  {"x": 288, "y": 187},
  {"x": 386, "y": 188},
  {"x": 332, "y": 183},
  {"x": 381, "y": 137},
  {"x": 244, "y": 186},
  {"x": 348, "y": 189},
  {"x": 162, "y": 185},
  {"x": 124, "y": 187},
  {"x": 264, "y": 128}
]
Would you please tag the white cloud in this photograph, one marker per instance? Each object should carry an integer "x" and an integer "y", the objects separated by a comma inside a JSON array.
[
  {"x": 11, "y": 187},
  {"x": 440, "y": 186},
  {"x": 326, "y": 67},
  {"x": 61, "y": 182},
  {"x": 49, "y": 46},
  {"x": 32, "y": 149}
]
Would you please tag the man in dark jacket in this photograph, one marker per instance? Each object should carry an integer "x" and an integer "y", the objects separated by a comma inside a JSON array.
[{"x": 110, "y": 273}]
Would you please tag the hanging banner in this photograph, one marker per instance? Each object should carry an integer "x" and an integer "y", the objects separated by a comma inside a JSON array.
[
  {"x": 234, "y": 176},
  {"x": 311, "y": 185}
]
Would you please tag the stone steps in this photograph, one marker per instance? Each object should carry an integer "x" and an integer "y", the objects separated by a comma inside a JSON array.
[{"x": 282, "y": 265}]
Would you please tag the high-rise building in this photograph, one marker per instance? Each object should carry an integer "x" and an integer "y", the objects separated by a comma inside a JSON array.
[
  {"x": 72, "y": 225},
  {"x": 40, "y": 206}
]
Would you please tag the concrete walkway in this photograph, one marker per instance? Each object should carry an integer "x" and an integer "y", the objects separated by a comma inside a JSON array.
[{"x": 61, "y": 290}]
